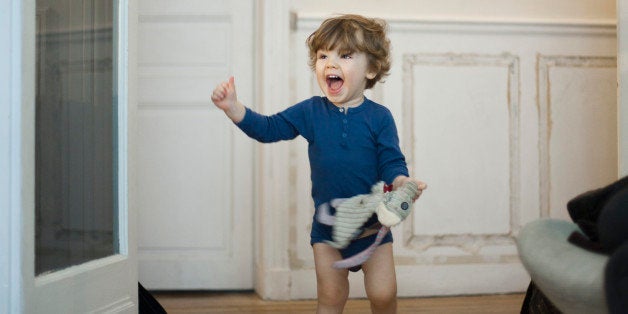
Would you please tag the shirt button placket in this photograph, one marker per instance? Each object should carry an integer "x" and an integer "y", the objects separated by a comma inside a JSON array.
[{"x": 345, "y": 132}]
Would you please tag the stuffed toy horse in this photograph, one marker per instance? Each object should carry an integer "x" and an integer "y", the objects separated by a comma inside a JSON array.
[{"x": 351, "y": 213}]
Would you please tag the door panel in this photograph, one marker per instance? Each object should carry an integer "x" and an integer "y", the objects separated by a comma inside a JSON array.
[
  {"x": 78, "y": 252},
  {"x": 194, "y": 230}
]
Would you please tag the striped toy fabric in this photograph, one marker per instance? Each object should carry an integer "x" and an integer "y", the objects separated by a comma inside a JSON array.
[{"x": 391, "y": 208}]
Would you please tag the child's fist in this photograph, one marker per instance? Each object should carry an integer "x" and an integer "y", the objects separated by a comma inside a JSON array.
[{"x": 224, "y": 95}]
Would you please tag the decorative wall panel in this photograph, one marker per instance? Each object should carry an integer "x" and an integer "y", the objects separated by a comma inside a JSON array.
[
  {"x": 577, "y": 103},
  {"x": 461, "y": 114}
]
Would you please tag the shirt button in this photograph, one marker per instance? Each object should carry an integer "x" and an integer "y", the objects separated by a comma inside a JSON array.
[
  {"x": 341, "y": 109},
  {"x": 344, "y": 121},
  {"x": 344, "y": 134}
]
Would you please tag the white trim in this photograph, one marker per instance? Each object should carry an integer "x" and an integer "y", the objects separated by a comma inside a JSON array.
[
  {"x": 622, "y": 90},
  {"x": 23, "y": 155},
  {"x": 123, "y": 123},
  {"x": 273, "y": 277},
  {"x": 449, "y": 19},
  {"x": 11, "y": 283},
  {"x": 472, "y": 24}
]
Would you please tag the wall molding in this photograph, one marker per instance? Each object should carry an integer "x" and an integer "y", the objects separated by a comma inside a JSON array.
[
  {"x": 544, "y": 64},
  {"x": 469, "y": 243},
  {"x": 466, "y": 24},
  {"x": 185, "y": 18},
  {"x": 273, "y": 273}
]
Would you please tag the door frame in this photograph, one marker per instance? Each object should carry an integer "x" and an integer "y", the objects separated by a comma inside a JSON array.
[
  {"x": 112, "y": 279},
  {"x": 14, "y": 23},
  {"x": 622, "y": 89}
]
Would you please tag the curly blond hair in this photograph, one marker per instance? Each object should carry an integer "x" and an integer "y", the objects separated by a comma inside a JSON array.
[{"x": 354, "y": 33}]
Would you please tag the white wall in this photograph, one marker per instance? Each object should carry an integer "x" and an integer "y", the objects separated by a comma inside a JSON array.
[{"x": 522, "y": 57}]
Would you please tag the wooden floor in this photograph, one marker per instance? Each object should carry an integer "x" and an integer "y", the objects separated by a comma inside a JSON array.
[{"x": 249, "y": 302}]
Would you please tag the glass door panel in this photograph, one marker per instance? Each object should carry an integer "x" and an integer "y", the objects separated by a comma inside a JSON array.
[{"x": 75, "y": 137}]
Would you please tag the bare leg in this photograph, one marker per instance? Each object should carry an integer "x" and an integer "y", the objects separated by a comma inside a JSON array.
[
  {"x": 332, "y": 284},
  {"x": 380, "y": 280}
]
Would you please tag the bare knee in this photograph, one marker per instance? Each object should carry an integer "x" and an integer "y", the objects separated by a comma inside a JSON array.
[
  {"x": 332, "y": 284},
  {"x": 380, "y": 280},
  {"x": 332, "y": 295},
  {"x": 382, "y": 298}
]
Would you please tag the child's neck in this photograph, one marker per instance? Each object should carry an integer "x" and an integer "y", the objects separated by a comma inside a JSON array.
[{"x": 351, "y": 104}]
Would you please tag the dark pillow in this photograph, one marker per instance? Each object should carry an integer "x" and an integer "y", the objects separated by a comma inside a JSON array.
[
  {"x": 612, "y": 225},
  {"x": 616, "y": 281},
  {"x": 585, "y": 208}
]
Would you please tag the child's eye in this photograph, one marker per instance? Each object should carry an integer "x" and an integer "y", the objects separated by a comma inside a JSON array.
[
  {"x": 322, "y": 56},
  {"x": 345, "y": 56}
]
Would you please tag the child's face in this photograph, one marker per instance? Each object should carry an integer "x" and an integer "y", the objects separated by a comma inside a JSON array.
[{"x": 342, "y": 76}]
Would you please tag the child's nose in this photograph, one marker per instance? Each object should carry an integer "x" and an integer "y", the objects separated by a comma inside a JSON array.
[{"x": 331, "y": 62}]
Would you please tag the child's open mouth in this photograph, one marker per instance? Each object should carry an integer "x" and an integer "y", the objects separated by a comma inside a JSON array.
[{"x": 334, "y": 83}]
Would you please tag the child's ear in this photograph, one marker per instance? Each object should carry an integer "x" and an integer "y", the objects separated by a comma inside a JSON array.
[{"x": 371, "y": 75}]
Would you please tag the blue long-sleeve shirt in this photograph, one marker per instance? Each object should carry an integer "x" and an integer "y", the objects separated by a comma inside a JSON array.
[{"x": 348, "y": 151}]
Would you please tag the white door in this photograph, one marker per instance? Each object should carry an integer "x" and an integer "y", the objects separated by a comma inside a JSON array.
[
  {"x": 65, "y": 208},
  {"x": 194, "y": 166}
]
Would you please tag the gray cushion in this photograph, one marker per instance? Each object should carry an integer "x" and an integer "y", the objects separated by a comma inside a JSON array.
[{"x": 571, "y": 277}]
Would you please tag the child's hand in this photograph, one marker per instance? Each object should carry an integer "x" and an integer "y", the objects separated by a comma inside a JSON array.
[
  {"x": 401, "y": 180},
  {"x": 224, "y": 95},
  {"x": 225, "y": 98}
]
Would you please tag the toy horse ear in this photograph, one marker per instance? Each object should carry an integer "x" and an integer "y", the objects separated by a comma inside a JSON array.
[
  {"x": 337, "y": 202},
  {"x": 323, "y": 215}
]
